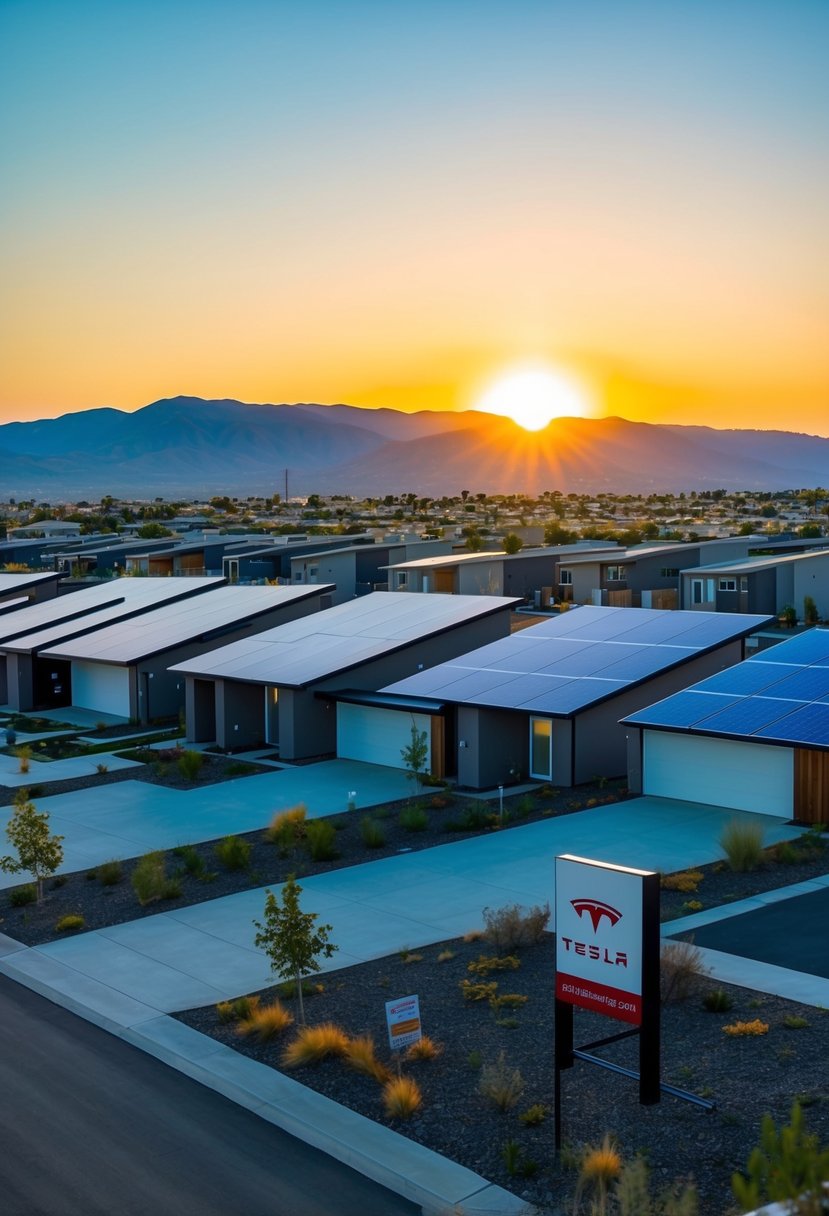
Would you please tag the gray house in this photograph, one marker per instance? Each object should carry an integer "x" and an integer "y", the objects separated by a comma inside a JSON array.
[
  {"x": 18, "y": 590},
  {"x": 759, "y": 584},
  {"x": 754, "y": 737},
  {"x": 28, "y": 681},
  {"x": 360, "y": 569},
  {"x": 546, "y": 702},
  {"x": 272, "y": 558},
  {"x": 122, "y": 668},
  {"x": 278, "y": 686}
]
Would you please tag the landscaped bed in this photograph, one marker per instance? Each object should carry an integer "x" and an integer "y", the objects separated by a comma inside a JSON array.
[{"x": 745, "y": 1075}]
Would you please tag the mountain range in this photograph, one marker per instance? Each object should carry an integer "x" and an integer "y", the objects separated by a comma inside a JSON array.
[{"x": 193, "y": 448}]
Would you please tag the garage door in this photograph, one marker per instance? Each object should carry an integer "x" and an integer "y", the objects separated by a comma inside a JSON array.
[
  {"x": 722, "y": 772},
  {"x": 378, "y": 735},
  {"x": 102, "y": 688}
]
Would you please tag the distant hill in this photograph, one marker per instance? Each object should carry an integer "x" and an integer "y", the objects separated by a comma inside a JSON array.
[{"x": 186, "y": 446}]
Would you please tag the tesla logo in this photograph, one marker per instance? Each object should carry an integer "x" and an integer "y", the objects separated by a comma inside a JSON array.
[{"x": 596, "y": 910}]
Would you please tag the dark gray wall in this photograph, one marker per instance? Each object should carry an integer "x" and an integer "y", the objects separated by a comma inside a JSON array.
[{"x": 240, "y": 716}]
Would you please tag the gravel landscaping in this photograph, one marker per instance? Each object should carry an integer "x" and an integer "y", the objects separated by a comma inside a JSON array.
[{"x": 744, "y": 1076}]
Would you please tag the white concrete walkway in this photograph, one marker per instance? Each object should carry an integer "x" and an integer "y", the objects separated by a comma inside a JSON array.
[{"x": 201, "y": 954}]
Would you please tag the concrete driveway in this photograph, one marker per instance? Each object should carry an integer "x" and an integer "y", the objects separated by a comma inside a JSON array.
[
  {"x": 130, "y": 818},
  {"x": 201, "y": 954}
]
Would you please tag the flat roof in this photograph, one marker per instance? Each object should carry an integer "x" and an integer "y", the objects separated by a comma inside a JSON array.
[
  {"x": 67, "y": 616},
  {"x": 327, "y": 643},
  {"x": 454, "y": 559},
  {"x": 778, "y": 696},
  {"x": 583, "y": 657},
  {"x": 744, "y": 564},
  {"x": 181, "y": 622},
  {"x": 384, "y": 700}
]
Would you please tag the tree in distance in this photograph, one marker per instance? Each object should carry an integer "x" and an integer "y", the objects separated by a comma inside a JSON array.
[
  {"x": 290, "y": 939},
  {"x": 39, "y": 852},
  {"x": 512, "y": 543}
]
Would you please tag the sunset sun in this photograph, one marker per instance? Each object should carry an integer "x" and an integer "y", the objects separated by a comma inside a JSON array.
[{"x": 533, "y": 397}]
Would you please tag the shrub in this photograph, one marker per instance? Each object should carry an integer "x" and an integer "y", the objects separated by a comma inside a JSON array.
[
  {"x": 742, "y": 844},
  {"x": 290, "y": 989},
  {"x": 190, "y": 764},
  {"x": 680, "y": 966},
  {"x": 67, "y": 923},
  {"x": 424, "y": 1049},
  {"x": 233, "y": 852},
  {"x": 717, "y": 1001},
  {"x": 20, "y": 896},
  {"x": 474, "y": 819},
  {"x": 191, "y": 861},
  {"x": 508, "y": 929},
  {"x": 361, "y": 1055},
  {"x": 315, "y": 1043},
  {"x": 109, "y": 873},
  {"x": 692, "y": 905},
  {"x": 413, "y": 819},
  {"x": 534, "y": 1115},
  {"x": 600, "y": 1166},
  {"x": 287, "y": 828},
  {"x": 101, "y": 768},
  {"x": 687, "y": 881},
  {"x": 321, "y": 837},
  {"x": 478, "y": 991},
  {"x": 372, "y": 833},
  {"x": 501, "y": 1084},
  {"x": 486, "y": 964},
  {"x": 24, "y": 758},
  {"x": 150, "y": 880},
  {"x": 265, "y": 1022},
  {"x": 789, "y": 1164},
  {"x": 446, "y": 956},
  {"x": 507, "y": 1000},
  {"x": 793, "y": 1022},
  {"x": 238, "y": 768},
  {"x": 737, "y": 1030},
  {"x": 401, "y": 1097}
]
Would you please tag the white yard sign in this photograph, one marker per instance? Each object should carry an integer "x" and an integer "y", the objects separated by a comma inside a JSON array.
[{"x": 403, "y": 1022}]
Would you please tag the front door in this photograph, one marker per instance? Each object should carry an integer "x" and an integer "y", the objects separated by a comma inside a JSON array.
[{"x": 541, "y": 748}]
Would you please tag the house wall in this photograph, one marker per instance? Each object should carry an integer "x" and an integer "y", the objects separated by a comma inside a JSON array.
[
  {"x": 481, "y": 578},
  {"x": 495, "y": 741},
  {"x": 240, "y": 717},
  {"x": 200, "y": 710},
  {"x": 811, "y": 578},
  {"x": 525, "y": 575},
  {"x": 20, "y": 681},
  {"x": 586, "y": 577},
  {"x": 4, "y": 680}
]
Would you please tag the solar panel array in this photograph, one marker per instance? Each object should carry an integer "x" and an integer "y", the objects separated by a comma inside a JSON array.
[
  {"x": 64, "y": 616},
  {"x": 129, "y": 641},
  {"x": 779, "y": 695},
  {"x": 327, "y": 643},
  {"x": 577, "y": 659}
]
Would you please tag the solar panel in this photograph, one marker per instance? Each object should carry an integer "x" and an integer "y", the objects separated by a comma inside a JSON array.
[
  {"x": 575, "y": 695},
  {"x": 742, "y": 678},
  {"x": 684, "y": 709},
  {"x": 809, "y": 647},
  {"x": 806, "y": 684},
  {"x": 808, "y": 724},
  {"x": 638, "y": 665},
  {"x": 748, "y": 715}
]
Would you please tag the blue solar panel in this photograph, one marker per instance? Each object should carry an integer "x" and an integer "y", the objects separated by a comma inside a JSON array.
[
  {"x": 638, "y": 664},
  {"x": 742, "y": 678},
  {"x": 809, "y": 647},
  {"x": 684, "y": 709},
  {"x": 809, "y": 724},
  {"x": 580, "y": 663},
  {"x": 572, "y": 696},
  {"x": 806, "y": 684},
  {"x": 748, "y": 715}
]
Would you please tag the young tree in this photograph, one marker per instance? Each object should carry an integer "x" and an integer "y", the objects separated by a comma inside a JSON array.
[
  {"x": 289, "y": 938},
  {"x": 39, "y": 853},
  {"x": 512, "y": 543},
  {"x": 414, "y": 756}
]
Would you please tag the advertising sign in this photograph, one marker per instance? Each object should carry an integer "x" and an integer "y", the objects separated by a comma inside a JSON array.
[
  {"x": 403, "y": 1022},
  {"x": 600, "y": 918}
]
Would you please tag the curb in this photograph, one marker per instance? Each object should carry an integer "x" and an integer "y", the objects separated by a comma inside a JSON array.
[{"x": 439, "y": 1186}]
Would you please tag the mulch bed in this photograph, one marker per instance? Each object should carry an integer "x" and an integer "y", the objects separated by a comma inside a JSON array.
[{"x": 745, "y": 1077}]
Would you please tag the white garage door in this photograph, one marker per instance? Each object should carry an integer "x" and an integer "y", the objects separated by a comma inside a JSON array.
[
  {"x": 378, "y": 735},
  {"x": 722, "y": 772},
  {"x": 102, "y": 688}
]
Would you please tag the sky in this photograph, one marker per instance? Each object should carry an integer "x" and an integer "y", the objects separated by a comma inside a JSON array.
[{"x": 392, "y": 203}]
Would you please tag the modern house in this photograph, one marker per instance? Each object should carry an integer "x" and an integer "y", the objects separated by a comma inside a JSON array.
[
  {"x": 187, "y": 558},
  {"x": 28, "y": 681},
  {"x": 545, "y": 702},
  {"x": 360, "y": 569},
  {"x": 278, "y": 686},
  {"x": 759, "y": 584},
  {"x": 122, "y": 668},
  {"x": 529, "y": 574},
  {"x": 647, "y": 576},
  {"x": 754, "y": 737},
  {"x": 272, "y": 559}
]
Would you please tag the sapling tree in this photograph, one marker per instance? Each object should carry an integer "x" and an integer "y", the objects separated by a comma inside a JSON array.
[
  {"x": 291, "y": 939},
  {"x": 414, "y": 756},
  {"x": 39, "y": 852}
]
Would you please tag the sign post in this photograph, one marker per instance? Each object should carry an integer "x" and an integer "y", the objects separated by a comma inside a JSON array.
[
  {"x": 403, "y": 1022},
  {"x": 607, "y": 961}
]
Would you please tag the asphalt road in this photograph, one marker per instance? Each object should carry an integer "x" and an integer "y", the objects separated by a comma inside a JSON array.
[
  {"x": 92, "y": 1126},
  {"x": 790, "y": 933}
]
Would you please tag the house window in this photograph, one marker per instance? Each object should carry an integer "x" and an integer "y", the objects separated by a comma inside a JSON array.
[
  {"x": 696, "y": 590},
  {"x": 565, "y": 578},
  {"x": 743, "y": 583},
  {"x": 727, "y": 584},
  {"x": 403, "y": 578},
  {"x": 669, "y": 572},
  {"x": 615, "y": 574}
]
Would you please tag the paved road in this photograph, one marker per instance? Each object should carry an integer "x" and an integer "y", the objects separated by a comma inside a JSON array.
[
  {"x": 787, "y": 933},
  {"x": 91, "y": 1126}
]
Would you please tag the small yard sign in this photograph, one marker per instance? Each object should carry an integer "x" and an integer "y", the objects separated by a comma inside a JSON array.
[{"x": 403, "y": 1022}]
